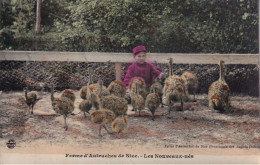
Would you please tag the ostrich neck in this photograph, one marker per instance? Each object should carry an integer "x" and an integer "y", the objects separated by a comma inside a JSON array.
[
  {"x": 52, "y": 94},
  {"x": 101, "y": 96},
  {"x": 25, "y": 94},
  {"x": 170, "y": 68},
  {"x": 221, "y": 72},
  {"x": 90, "y": 78},
  {"x": 89, "y": 95}
]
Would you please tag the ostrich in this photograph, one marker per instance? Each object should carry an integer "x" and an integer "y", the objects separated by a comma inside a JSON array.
[
  {"x": 83, "y": 90},
  {"x": 102, "y": 116},
  {"x": 191, "y": 82},
  {"x": 138, "y": 81},
  {"x": 117, "y": 88},
  {"x": 119, "y": 124},
  {"x": 62, "y": 105},
  {"x": 31, "y": 99},
  {"x": 174, "y": 89},
  {"x": 219, "y": 93},
  {"x": 116, "y": 104},
  {"x": 137, "y": 99},
  {"x": 86, "y": 105},
  {"x": 152, "y": 102},
  {"x": 157, "y": 87}
]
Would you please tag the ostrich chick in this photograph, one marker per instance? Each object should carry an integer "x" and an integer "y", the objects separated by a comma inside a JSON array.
[
  {"x": 152, "y": 102},
  {"x": 138, "y": 81},
  {"x": 137, "y": 100},
  {"x": 117, "y": 88},
  {"x": 157, "y": 87},
  {"x": 86, "y": 105},
  {"x": 63, "y": 106},
  {"x": 68, "y": 94},
  {"x": 116, "y": 104},
  {"x": 219, "y": 93},
  {"x": 31, "y": 99},
  {"x": 97, "y": 91},
  {"x": 119, "y": 124},
  {"x": 102, "y": 117},
  {"x": 83, "y": 90},
  {"x": 191, "y": 82},
  {"x": 174, "y": 90}
]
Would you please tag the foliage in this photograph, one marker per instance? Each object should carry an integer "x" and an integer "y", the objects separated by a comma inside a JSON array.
[{"x": 188, "y": 26}]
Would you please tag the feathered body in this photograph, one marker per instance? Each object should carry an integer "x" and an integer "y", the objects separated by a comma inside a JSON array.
[
  {"x": 174, "y": 89},
  {"x": 31, "y": 98},
  {"x": 117, "y": 88},
  {"x": 117, "y": 104},
  {"x": 68, "y": 94},
  {"x": 152, "y": 102},
  {"x": 102, "y": 117},
  {"x": 219, "y": 93},
  {"x": 119, "y": 125},
  {"x": 86, "y": 105},
  {"x": 157, "y": 87},
  {"x": 83, "y": 92},
  {"x": 96, "y": 93},
  {"x": 138, "y": 82},
  {"x": 63, "y": 105},
  {"x": 137, "y": 102},
  {"x": 191, "y": 82}
]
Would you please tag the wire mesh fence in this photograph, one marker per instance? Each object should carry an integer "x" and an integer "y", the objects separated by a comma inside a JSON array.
[
  {"x": 40, "y": 75},
  {"x": 14, "y": 75}
]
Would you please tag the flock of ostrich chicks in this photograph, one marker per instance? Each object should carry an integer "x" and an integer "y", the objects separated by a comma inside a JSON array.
[{"x": 111, "y": 105}]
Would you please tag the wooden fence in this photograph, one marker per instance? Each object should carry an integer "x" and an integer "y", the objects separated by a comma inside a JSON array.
[{"x": 118, "y": 58}]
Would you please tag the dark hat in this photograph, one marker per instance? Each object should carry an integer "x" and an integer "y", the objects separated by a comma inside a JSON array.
[{"x": 138, "y": 49}]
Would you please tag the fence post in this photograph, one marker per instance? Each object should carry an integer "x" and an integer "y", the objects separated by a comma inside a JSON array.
[{"x": 118, "y": 71}]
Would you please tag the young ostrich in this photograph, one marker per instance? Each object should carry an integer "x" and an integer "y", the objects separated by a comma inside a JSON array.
[
  {"x": 119, "y": 125},
  {"x": 137, "y": 99},
  {"x": 191, "y": 82},
  {"x": 138, "y": 81},
  {"x": 219, "y": 93},
  {"x": 83, "y": 90},
  {"x": 86, "y": 105},
  {"x": 157, "y": 87},
  {"x": 116, "y": 104},
  {"x": 31, "y": 99},
  {"x": 97, "y": 91},
  {"x": 174, "y": 90},
  {"x": 102, "y": 116},
  {"x": 152, "y": 102},
  {"x": 62, "y": 105},
  {"x": 68, "y": 94},
  {"x": 117, "y": 88}
]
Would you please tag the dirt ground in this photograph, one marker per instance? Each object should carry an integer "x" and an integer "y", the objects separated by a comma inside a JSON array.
[{"x": 195, "y": 130}]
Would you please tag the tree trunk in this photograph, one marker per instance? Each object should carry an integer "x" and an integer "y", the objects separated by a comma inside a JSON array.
[{"x": 38, "y": 16}]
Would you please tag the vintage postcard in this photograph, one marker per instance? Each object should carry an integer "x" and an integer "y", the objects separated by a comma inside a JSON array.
[
  {"x": 198, "y": 134},
  {"x": 129, "y": 82}
]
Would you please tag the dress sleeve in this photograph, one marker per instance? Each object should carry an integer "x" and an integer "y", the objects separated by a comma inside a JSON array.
[
  {"x": 129, "y": 74},
  {"x": 155, "y": 72}
]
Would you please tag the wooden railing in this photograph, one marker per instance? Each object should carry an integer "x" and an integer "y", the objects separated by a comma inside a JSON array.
[{"x": 127, "y": 57}]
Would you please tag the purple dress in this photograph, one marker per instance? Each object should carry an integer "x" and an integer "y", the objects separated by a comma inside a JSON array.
[{"x": 146, "y": 70}]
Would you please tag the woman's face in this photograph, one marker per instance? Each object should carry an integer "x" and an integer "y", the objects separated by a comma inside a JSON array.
[{"x": 140, "y": 57}]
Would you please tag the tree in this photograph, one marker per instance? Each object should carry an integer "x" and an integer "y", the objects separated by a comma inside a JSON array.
[
  {"x": 38, "y": 16},
  {"x": 205, "y": 26}
]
